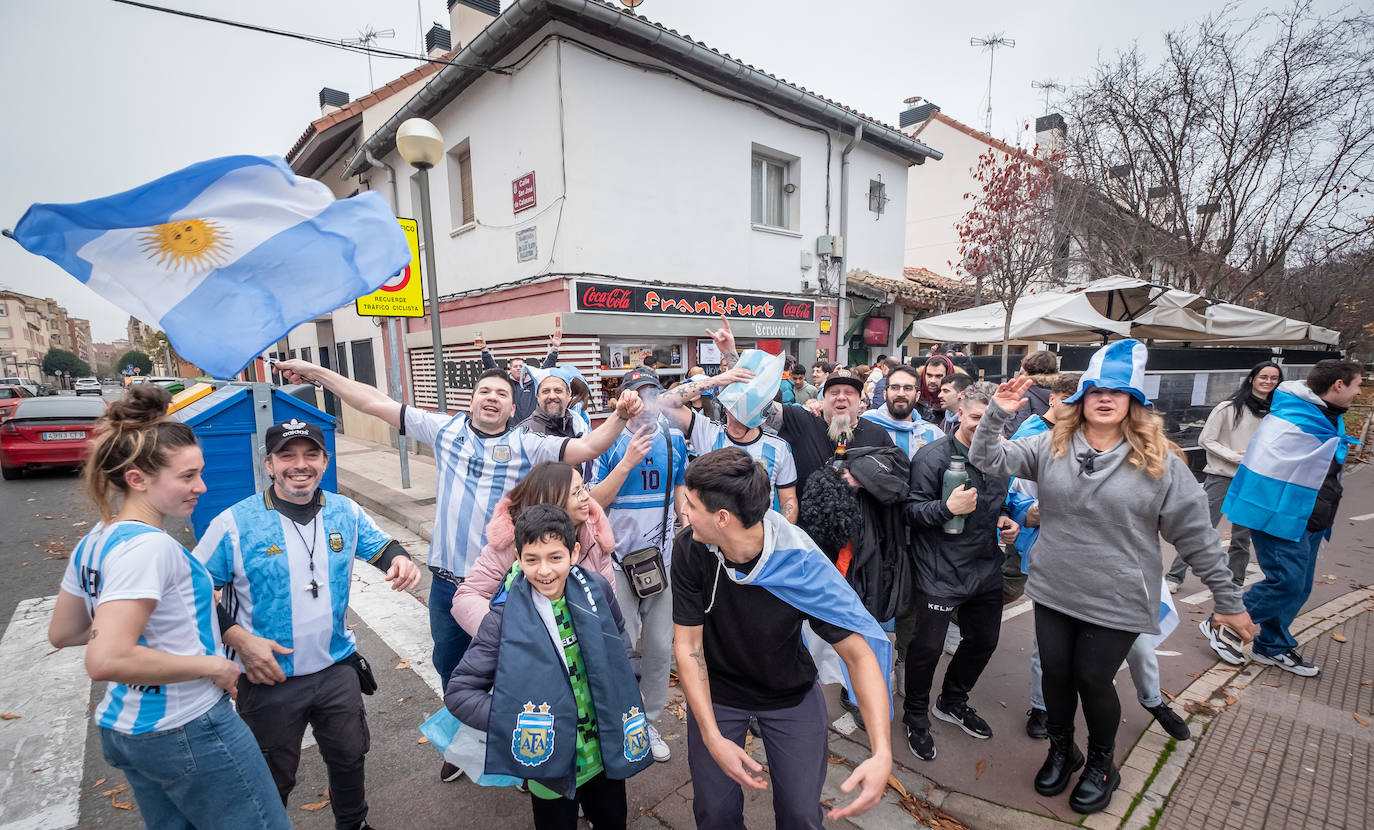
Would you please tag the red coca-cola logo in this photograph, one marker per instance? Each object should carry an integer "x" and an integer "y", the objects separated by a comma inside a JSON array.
[
  {"x": 796, "y": 311},
  {"x": 615, "y": 298}
]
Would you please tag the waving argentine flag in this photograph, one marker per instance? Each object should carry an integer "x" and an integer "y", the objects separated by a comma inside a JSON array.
[
  {"x": 1282, "y": 470},
  {"x": 226, "y": 256},
  {"x": 749, "y": 400}
]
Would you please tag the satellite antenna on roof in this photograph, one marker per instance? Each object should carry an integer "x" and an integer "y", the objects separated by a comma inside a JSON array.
[
  {"x": 990, "y": 45},
  {"x": 1048, "y": 86},
  {"x": 366, "y": 38},
  {"x": 631, "y": 4}
]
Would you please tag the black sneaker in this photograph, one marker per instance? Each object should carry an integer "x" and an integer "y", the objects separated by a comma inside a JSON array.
[
  {"x": 1037, "y": 724},
  {"x": 1290, "y": 661},
  {"x": 852, "y": 708},
  {"x": 963, "y": 717},
  {"x": 920, "y": 742},
  {"x": 1227, "y": 652},
  {"x": 1169, "y": 719},
  {"x": 449, "y": 772}
]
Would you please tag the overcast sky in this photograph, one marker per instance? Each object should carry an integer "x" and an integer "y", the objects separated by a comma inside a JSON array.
[{"x": 100, "y": 97}]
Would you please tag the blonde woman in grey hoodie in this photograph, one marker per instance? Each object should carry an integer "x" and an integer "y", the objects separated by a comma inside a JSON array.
[{"x": 1110, "y": 485}]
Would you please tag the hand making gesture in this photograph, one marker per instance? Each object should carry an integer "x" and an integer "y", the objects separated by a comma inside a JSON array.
[{"x": 1010, "y": 395}]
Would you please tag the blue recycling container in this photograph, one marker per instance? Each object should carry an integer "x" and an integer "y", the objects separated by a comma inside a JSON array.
[{"x": 223, "y": 422}]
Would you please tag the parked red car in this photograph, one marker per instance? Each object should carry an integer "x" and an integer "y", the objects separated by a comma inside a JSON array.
[
  {"x": 10, "y": 396},
  {"x": 48, "y": 432}
]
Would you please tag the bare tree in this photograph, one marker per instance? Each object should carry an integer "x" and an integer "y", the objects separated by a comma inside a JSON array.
[
  {"x": 1335, "y": 292},
  {"x": 1248, "y": 138}
]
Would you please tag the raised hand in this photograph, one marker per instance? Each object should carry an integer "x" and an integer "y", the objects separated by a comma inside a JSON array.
[
  {"x": 556, "y": 339},
  {"x": 723, "y": 337},
  {"x": 1009, "y": 397},
  {"x": 640, "y": 445},
  {"x": 628, "y": 405}
]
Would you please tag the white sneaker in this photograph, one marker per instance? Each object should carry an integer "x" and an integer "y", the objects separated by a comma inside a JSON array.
[
  {"x": 1173, "y": 586},
  {"x": 657, "y": 745}
]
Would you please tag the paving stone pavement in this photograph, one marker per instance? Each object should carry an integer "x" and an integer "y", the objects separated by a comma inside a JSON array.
[{"x": 1292, "y": 752}]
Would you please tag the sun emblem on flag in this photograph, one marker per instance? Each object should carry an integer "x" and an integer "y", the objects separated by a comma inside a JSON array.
[{"x": 194, "y": 243}]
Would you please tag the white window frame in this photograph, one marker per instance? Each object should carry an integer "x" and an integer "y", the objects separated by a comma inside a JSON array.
[{"x": 761, "y": 161}]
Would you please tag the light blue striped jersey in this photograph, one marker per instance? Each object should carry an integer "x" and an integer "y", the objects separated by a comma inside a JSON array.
[
  {"x": 475, "y": 472},
  {"x": 908, "y": 435},
  {"x": 131, "y": 560},
  {"x": 767, "y": 448},
  {"x": 262, "y": 558},
  {"x": 637, "y": 513}
]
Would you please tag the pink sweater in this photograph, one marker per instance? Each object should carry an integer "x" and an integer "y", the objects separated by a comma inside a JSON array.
[{"x": 472, "y": 600}]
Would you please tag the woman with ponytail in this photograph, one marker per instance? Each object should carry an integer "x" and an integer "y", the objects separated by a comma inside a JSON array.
[
  {"x": 1224, "y": 438},
  {"x": 145, "y": 610}
]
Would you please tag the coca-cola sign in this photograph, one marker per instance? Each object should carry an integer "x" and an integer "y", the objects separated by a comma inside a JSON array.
[{"x": 687, "y": 302}]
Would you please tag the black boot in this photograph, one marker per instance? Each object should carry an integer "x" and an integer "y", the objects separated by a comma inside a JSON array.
[
  {"x": 1060, "y": 763},
  {"x": 1100, "y": 779}
]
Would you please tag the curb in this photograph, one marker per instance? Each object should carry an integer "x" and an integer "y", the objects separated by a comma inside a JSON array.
[{"x": 1154, "y": 766}]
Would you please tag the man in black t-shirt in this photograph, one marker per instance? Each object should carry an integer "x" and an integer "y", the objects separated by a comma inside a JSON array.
[{"x": 740, "y": 653}]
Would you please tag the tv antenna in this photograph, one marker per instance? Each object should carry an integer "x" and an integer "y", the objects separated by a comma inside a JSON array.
[
  {"x": 368, "y": 36},
  {"x": 990, "y": 44},
  {"x": 1048, "y": 86}
]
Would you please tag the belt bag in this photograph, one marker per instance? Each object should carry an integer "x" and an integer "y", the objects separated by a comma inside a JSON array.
[
  {"x": 644, "y": 569},
  {"x": 367, "y": 681}
]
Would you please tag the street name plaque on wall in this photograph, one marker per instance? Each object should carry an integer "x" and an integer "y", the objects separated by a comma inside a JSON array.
[{"x": 665, "y": 301}]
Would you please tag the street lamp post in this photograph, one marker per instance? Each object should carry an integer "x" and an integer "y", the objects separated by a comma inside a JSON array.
[{"x": 421, "y": 145}]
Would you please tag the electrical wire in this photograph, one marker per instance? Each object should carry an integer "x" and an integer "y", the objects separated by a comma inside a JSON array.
[{"x": 315, "y": 39}]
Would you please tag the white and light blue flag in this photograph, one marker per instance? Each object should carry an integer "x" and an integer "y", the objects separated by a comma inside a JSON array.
[
  {"x": 226, "y": 256},
  {"x": 748, "y": 400}
]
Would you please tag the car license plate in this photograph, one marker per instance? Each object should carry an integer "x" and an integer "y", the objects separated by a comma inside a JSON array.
[{"x": 62, "y": 436}]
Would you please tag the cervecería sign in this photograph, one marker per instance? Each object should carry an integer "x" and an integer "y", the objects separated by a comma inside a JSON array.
[{"x": 686, "y": 302}]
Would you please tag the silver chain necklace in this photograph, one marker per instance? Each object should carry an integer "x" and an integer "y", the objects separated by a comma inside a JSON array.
[{"x": 314, "y": 586}]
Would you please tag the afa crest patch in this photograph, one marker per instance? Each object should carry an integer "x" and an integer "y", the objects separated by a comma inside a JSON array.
[
  {"x": 636, "y": 729},
  {"x": 532, "y": 740},
  {"x": 501, "y": 454},
  {"x": 335, "y": 541}
]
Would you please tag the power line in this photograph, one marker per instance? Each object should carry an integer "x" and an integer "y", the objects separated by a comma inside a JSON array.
[{"x": 315, "y": 39}]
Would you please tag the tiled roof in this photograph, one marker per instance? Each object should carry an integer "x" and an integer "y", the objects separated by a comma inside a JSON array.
[
  {"x": 960, "y": 126},
  {"x": 357, "y": 105},
  {"x": 918, "y": 287}
]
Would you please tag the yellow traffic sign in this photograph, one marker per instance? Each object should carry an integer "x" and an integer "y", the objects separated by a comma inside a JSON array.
[{"x": 402, "y": 295}]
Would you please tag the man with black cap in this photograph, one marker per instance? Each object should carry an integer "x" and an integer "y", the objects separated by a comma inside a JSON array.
[
  {"x": 639, "y": 479},
  {"x": 283, "y": 559}
]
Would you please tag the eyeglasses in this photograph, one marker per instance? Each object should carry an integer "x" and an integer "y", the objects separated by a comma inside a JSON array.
[
  {"x": 909, "y": 387},
  {"x": 581, "y": 492}
]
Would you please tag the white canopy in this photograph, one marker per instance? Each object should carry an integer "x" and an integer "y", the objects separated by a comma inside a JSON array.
[{"x": 1062, "y": 318}]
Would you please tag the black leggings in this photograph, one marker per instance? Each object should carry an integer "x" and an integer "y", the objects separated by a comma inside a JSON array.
[{"x": 1078, "y": 660}]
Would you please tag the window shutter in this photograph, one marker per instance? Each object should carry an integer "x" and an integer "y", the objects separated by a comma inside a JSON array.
[{"x": 465, "y": 174}]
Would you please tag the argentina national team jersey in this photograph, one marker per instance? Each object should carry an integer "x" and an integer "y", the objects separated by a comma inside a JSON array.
[
  {"x": 131, "y": 560},
  {"x": 636, "y": 515},
  {"x": 909, "y": 435},
  {"x": 262, "y": 557},
  {"x": 767, "y": 449},
  {"x": 475, "y": 473}
]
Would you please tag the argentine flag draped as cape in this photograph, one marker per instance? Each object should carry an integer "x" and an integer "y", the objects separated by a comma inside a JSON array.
[
  {"x": 226, "y": 256},
  {"x": 1276, "y": 486},
  {"x": 909, "y": 435},
  {"x": 795, "y": 571}
]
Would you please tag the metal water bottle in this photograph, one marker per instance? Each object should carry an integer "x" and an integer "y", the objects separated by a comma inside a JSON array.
[{"x": 955, "y": 477}]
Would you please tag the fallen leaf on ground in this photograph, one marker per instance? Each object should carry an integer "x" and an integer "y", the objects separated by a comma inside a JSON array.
[
  {"x": 403, "y": 699},
  {"x": 1003, "y": 702},
  {"x": 897, "y": 785},
  {"x": 836, "y": 759},
  {"x": 1339, "y": 637},
  {"x": 9, "y": 716},
  {"x": 404, "y": 664},
  {"x": 1328, "y": 576},
  {"x": 98, "y": 783},
  {"x": 318, "y": 805},
  {"x": 1231, "y": 699},
  {"x": 679, "y": 710},
  {"x": 80, "y": 524},
  {"x": 116, "y": 791},
  {"x": 1195, "y": 675},
  {"x": 1260, "y": 751},
  {"x": 1366, "y": 682},
  {"x": 47, "y": 518},
  {"x": 982, "y": 768},
  {"x": 1199, "y": 707},
  {"x": 672, "y": 679},
  {"x": 1361, "y": 721},
  {"x": 1165, "y": 692},
  {"x": 423, "y": 741},
  {"x": 121, "y": 805},
  {"x": 30, "y": 500}
]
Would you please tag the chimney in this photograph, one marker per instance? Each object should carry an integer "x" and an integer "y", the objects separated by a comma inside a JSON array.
[
  {"x": 1050, "y": 133},
  {"x": 467, "y": 18},
  {"x": 331, "y": 100},
  {"x": 915, "y": 116},
  {"x": 437, "y": 41}
]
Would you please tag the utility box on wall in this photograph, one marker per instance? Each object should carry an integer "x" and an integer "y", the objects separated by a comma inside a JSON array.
[
  {"x": 230, "y": 423},
  {"x": 876, "y": 331}
]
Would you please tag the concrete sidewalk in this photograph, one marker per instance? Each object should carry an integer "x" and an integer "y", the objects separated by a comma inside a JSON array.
[{"x": 1269, "y": 749}]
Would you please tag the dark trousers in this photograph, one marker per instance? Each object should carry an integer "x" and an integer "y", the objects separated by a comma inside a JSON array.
[
  {"x": 980, "y": 624},
  {"x": 601, "y": 799},
  {"x": 1289, "y": 568},
  {"x": 450, "y": 640},
  {"x": 798, "y": 753},
  {"x": 331, "y": 702},
  {"x": 1078, "y": 661}
]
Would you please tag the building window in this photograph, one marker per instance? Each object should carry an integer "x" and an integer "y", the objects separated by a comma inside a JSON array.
[
  {"x": 305, "y": 353},
  {"x": 364, "y": 370},
  {"x": 460, "y": 186},
  {"x": 877, "y": 196},
  {"x": 4, "y": 312},
  {"x": 4, "y": 332},
  {"x": 768, "y": 192}
]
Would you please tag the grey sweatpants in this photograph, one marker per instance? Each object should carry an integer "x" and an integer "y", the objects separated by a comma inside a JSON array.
[{"x": 649, "y": 622}]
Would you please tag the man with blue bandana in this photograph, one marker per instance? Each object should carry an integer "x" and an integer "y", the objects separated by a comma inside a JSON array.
[{"x": 283, "y": 560}]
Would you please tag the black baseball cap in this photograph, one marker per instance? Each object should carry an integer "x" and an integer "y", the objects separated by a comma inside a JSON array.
[
  {"x": 842, "y": 380},
  {"x": 279, "y": 434},
  {"x": 639, "y": 378}
]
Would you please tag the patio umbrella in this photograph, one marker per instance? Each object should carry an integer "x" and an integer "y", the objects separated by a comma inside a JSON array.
[{"x": 1054, "y": 316}]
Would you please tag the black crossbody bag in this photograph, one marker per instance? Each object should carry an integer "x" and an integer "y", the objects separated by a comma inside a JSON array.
[{"x": 644, "y": 568}]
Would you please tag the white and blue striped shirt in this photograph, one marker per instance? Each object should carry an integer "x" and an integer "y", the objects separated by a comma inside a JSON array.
[
  {"x": 636, "y": 515},
  {"x": 132, "y": 560},
  {"x": 475, "y": 472},
  {"x": 768, "y": 449},
  {"x": 263, "y": 556}
]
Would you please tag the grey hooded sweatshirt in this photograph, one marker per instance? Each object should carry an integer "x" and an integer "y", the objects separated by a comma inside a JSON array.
[{"x": 1098, "y": 558}]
